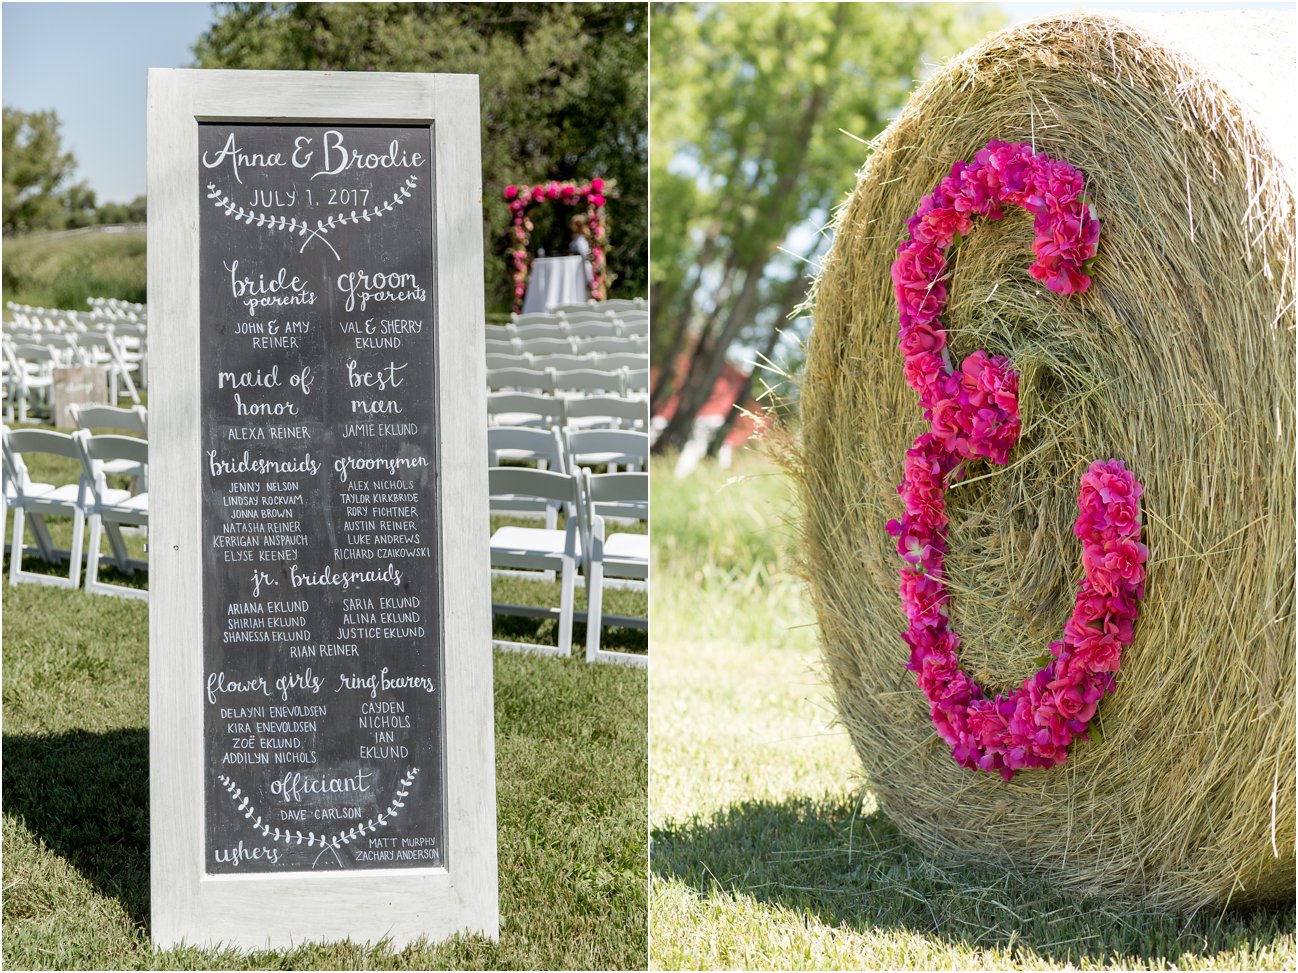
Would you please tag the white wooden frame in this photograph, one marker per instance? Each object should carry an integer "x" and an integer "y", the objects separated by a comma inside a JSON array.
[{"x": 403, "y": 905}]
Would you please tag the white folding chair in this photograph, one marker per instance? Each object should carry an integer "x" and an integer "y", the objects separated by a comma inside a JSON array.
[
  {"x": 132, "y": 422},
  {"x": 100, "y": 348},
  {"x": 619, "y": 304},
  {"x": 537, "y": 346},
  {"x": 593, "y": 328},
  {"x": 31, "y": 377},
  {"x": 621, "y": 557},
  {"x": 587, "y": 381},
  {"x": 606, "y": 345},
  {"x": 523, "y": 409},
  {"x": 605, "y": 412},
  {"x": 110, "y": 509},
  {"x": 36, "y": 501},
  {"x": 630, "y": 360},
  {"x": 611, "y": 448},
  {"x": 635, "y": 381},
  {"x": 521, "y": 379},
  {"x": 538, "y": 549},
  {"x": 519, "y": 444},
  {"x": 533, "y": 318},
  {"x": 505, "y": 345}
]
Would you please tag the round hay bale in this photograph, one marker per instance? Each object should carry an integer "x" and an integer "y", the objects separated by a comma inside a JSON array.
[{"x": 1178, "y": 360}]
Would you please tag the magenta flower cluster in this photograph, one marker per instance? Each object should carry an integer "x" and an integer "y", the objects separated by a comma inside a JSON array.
[
  {"x": 591, "y": 195},
  {"x": 974, "y": 412}
]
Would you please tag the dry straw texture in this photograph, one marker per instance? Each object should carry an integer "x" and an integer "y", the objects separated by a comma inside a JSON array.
[{"x": 1178, "y": 360}]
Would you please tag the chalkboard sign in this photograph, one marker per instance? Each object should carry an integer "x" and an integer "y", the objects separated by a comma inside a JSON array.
[
  {"x": 320, "y": 601},
  {"x": 321, "y": 730}
]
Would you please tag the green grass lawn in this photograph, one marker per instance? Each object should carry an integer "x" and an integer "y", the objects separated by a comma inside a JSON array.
[
  {"x": 767, "y": 849},
  {"x": 571, "y": 789}
]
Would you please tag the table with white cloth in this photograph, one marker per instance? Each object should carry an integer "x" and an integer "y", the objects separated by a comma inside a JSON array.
[{"x": 556, "y": 280}]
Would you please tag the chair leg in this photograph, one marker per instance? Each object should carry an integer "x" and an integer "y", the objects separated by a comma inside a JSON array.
[
  {"x": 118, "y": 546},
  {"x": 594, "y": 602},
  {"x": 78, "y": 538},
  {"x": 566, "y": 600},
  {"x": 16, "y": 550},
  {"x": 92, "y": 552}
]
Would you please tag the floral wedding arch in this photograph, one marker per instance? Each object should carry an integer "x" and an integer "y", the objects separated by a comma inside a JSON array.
[{"x": 592, "y": 195}]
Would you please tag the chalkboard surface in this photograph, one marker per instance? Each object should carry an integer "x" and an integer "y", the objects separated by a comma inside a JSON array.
[{"x": 322, "y": 655}]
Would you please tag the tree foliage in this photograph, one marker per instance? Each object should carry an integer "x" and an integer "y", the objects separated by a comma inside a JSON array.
[
  {"x": 35, "y": 171},
  {"x": 563, "y": 88},
  {"x": 750, "y": 105}
]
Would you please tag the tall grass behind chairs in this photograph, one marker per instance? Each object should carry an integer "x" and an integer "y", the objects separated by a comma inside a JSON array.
[
  {"x": 111, "y": 509},
  {"x": 539, "y": 550},
  {"x": 30, "y": 500},
  {"x": 620, "y": 557}
]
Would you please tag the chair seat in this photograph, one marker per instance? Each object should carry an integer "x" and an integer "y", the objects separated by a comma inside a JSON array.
[
  {"x": 122, "y": 501},
  {"x": 530, "y": 419},
  {"x": 46, "y": 493},
  {"x": 526, "y": 547},
  {"x": 627, "y": 547}
]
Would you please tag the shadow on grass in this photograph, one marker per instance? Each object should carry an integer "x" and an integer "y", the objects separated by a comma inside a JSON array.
[
  {"x": 858, "y": 872},
  {"x": 86, "y": 796}
]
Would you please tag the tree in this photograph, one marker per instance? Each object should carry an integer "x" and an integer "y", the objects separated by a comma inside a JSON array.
[
  {"x": 749, "y": 106},
  {"x": 35, "y": 169},
  {"x": 563, "y": 87}
]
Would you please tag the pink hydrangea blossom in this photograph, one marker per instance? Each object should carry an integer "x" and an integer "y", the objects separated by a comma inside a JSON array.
[{"x": 973, "y": 412}]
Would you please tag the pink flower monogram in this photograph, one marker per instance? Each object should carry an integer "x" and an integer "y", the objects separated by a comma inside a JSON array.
[{"x": 973, "y": 412}]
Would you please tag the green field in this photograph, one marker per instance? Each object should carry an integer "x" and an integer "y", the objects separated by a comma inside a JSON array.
[
  {"x": 63, "y": 269},
  {"x": 768, "y": 851},
  {"x": 571, "y": 786}
]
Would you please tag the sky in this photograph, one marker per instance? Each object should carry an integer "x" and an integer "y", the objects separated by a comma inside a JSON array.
[{"x": 89, "y": 63}]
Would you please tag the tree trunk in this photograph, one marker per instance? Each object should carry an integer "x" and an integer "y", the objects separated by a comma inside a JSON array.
[{"x": 793, "y": 296}]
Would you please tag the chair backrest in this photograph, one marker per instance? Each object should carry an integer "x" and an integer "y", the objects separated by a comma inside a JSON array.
[
  {"x": 533, "y": 318},
  {"x": 545, "y": 346},
  {"x": 621, "y": 447},
  {"x": 518, "y": 481},
  {"x": 605, "y": 345},
  {"x": 503, "y": 346},
  {"x": 496, "y": 360},
  {"x": 570, "y": 363},
  {"x": 619, "y": 304},
  {"x": 38, "y": 353},
  {"x": 635, "y": 329},
  {"x": 538, "y": 444},
  {"x": 606, "y": 328},
  {"x": 96, "y": 450},
  {"x": 625, "y": 359},
  {"x": 566, "y": 309},
  {"x": 617, "y": 410},
  {"x": 636, "y": 381},
  {"x": 588, "y": 381},
  {"x": 134, "y": 422},
  {"x": 621, "y": 495},
  {"x": 18, "y": 442},
  {"x": 546, "y": 408},
  {"x": 527, "y": 332},
  {"x": 522, "y": 379}
]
